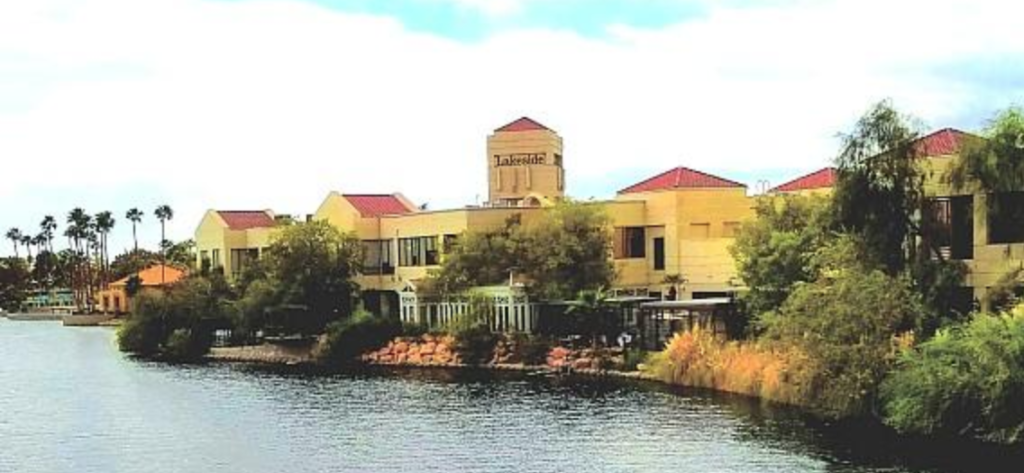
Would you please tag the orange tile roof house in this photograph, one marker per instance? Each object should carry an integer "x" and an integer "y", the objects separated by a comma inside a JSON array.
[{"x": 115, "y": 299}]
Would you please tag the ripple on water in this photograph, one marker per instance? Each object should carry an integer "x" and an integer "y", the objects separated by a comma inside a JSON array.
[{"x": 71, "y": 403}]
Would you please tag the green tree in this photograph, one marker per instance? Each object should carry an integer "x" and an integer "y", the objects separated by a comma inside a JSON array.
[
  {"x": 315, "y": 265},
  {"x": 177, "y": 324},
  {"x": 134, "y": 215},
  {"x": 774, "y": 252},
  {"x": 994, "y": 163},
  {"x": 563, "y": 252},
  {"x": 181, "y": 254},
  {"x": 14, "y": 282},
  {"x": 131, "y": 262},
  {"x": 968, "y": 380},
  {"x": 879, "y": 193},
  {"x": 845, "y": 321}
]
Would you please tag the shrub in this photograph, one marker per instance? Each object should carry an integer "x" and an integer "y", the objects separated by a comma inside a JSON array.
[
  {"x": 697, "y": 358},
  {"x": 967, "y": 380},
  {"x": 475, "y": 345},
  {"x": 531, "y": 349},
  {"x": 186, "y": 314},
  {"x": 845, "y": 321},
  {"x": 352, "y": 337}
]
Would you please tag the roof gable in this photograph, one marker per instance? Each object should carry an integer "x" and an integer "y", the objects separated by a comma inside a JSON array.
[
  {"x": 819, "y": 179},
  {"x": 246, "y": 219},
  {"x": 681, "y": 178},
  {"x": 375, "y": 205},
  {"x": 523, "y": 124},
  {"x": 943, "y": 142}
]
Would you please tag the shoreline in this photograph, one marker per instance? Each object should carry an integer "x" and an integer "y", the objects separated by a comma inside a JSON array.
[{"x": 276, "y": 355}]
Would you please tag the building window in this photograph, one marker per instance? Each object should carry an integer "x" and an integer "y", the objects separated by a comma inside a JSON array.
[
  {"x": 1006, "y": 217},
  {"x": 215, "y": 258},
  {"x": 630, "y": 242},
  {"x": 659, "y": 254},
  {"x": 377, "y": 257},
  {"x": 418, "y": 251},
  {"x": 949, "y": 225}
]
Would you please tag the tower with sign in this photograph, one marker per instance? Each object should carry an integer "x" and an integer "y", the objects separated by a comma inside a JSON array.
[{"x": 524, "y": 165}]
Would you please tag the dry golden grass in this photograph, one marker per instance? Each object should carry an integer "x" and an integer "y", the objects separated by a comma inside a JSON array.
[{"x": 696, "y": 358}]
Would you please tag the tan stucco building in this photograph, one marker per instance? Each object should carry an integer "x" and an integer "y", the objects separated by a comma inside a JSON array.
[
  {"x": 227, "y": 240},
  {"x": 960, "y": 220}
]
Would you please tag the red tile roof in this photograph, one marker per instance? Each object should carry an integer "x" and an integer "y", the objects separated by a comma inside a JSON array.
[
  {"x": 680, "y": 178},
  {"x": 816, "y": 180},
  {"x": 523, "y": 124},
  {"x": 375, "y": 205},
  {"x": 152, "y": 276},
  {"x": 246, "y": 219},
  {"x": 942, "y": 142}
]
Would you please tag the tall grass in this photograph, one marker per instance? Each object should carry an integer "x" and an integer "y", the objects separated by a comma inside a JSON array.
[{"x": 697, "y": 358}]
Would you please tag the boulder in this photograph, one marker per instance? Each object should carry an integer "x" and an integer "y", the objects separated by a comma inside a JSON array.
[
  {"x": 428, "y": 348},
  {"x": 400, "y": 347}
]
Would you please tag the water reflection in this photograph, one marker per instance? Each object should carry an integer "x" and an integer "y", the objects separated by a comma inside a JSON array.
[{"x": 70, "y": 403}]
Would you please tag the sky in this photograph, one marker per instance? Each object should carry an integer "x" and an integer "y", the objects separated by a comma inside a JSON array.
[{"x": 253, "y": 104}]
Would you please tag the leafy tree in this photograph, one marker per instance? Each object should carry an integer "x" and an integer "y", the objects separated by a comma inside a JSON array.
[
  {"x": 968, "y": 380},
  {"x": 181, "y": 254},
  {"x": 845, "y": 321},
  {"x": 314, "y": 265},
  {"x": 563, "y": 252},
  {"x": 177, "y": 324},
  {"x": 352, "y": 337},
  {"x": 995, "y": 163},
  {"x": 774, "y": 252},
  {"x": 880, "y": 188},
  {"x": 14, "y": 282},
  {"x": 567, "y": 251},
  {"x": 482, "y": 258},
  {"x": 1006, "y": 292},
  {"x": 131, "y": 262}
]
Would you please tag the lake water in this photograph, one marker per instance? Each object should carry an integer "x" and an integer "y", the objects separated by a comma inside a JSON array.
[{"x": 70, "y": 402}]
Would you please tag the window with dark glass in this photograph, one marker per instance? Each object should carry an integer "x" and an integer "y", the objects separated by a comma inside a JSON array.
[
  {"x": 377, "y": 257},
  {"x": 418, "y": 251},
  {"x": 1006, "y": 217},
  {"x": 949, "y": 225},
  {"x": 629, "y": 242},
  {"x": 659, "y": 254}
]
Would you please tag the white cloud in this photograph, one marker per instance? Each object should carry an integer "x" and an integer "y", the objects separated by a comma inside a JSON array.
[{"x": 274, "y": 103}]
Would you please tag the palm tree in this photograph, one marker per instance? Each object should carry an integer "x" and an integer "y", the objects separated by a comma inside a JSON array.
[
  {"x": 104, "y": 224},
  {"x": 163, "y": 213},
  {"x": 48, "y": 226},
  {"x": 27, "y": 241},
  {"x": 135, "y": 216},
  {"x": 15, "y": 236},
  {"x": 79, "y": 224}
]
